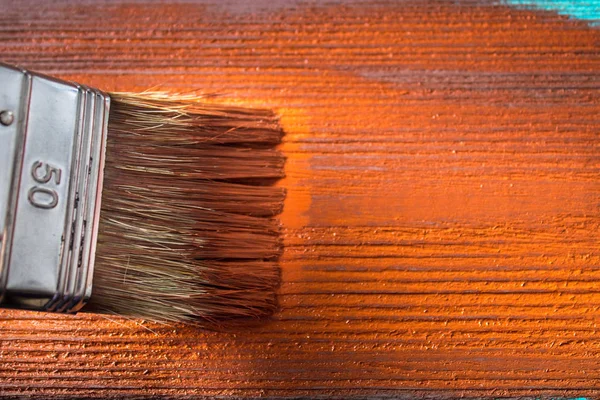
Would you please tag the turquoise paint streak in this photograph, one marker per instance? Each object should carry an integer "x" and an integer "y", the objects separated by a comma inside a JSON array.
[
  {"x": 553, "y": 398},
  {"x": 588, "y": 10},
  {"x": 569, "y": 398}
]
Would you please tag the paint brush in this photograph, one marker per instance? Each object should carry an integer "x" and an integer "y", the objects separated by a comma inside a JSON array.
[{"x": 146, "y": 205}]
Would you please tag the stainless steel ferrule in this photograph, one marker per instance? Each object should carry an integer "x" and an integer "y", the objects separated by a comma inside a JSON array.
[{"x": 52, "y": 147}]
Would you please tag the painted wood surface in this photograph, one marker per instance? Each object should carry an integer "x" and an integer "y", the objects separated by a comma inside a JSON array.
[{"x": 443, "y": 209}]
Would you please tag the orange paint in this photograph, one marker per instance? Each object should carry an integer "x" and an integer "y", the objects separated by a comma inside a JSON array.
[
  {"x": 442, "y": 214},
  {"x": 298, "y": 201}
]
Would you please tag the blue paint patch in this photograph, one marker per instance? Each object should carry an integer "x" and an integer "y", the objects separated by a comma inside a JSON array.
[
  {"x": 588, "y": 10},
  {"x": 550, "y": 398},
  {"x": 567, "y": 398}
]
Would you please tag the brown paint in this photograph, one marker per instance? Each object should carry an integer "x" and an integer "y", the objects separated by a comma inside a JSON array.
[{"x": 442, "y": 214}]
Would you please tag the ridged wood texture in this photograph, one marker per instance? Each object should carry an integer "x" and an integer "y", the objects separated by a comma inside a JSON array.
[{"x": 442, "y": 219}]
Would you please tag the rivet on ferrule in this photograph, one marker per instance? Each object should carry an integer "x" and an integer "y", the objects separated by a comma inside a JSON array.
[{"x": 6, "y": 117}]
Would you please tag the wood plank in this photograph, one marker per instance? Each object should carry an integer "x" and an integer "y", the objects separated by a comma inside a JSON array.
[{"x": 442, "y": 218}]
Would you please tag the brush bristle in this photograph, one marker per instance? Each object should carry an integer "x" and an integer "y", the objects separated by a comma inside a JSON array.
[{"x": 187, "y": 232}]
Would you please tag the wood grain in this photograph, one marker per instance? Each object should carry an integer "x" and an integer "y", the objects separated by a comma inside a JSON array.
[{"x": 442, "y": 220}]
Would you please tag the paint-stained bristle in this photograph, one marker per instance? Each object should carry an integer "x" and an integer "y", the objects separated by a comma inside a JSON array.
[{"x": 187, "y": 230}]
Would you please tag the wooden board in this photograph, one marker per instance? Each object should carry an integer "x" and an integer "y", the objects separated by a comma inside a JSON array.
[{"x": 442, "y": 221}]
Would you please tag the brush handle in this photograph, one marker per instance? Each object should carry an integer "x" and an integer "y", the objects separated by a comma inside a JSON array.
[{"x": 50, "y": 188}]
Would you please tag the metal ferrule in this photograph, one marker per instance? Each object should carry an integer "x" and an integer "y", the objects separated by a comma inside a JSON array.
[{"x": 52, "y": 147}]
